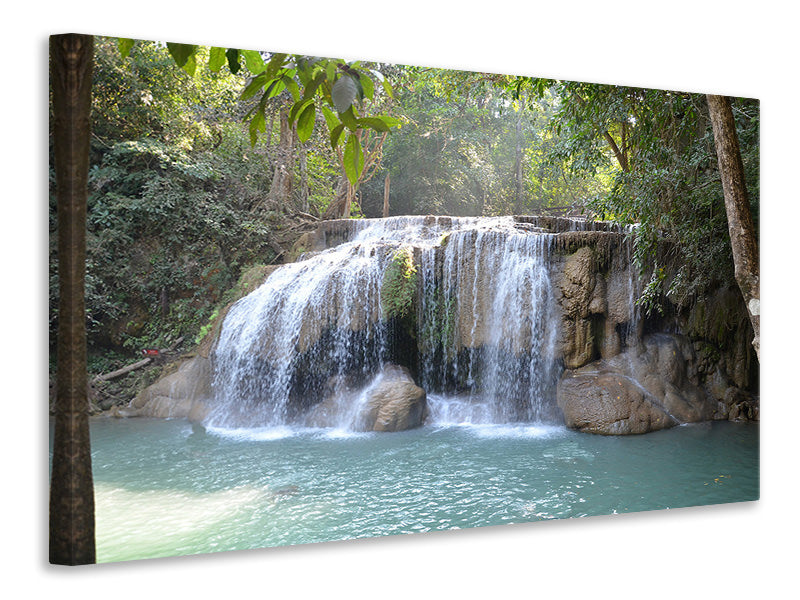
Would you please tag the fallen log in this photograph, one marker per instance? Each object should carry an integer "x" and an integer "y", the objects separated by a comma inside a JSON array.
[
  {"x": 136, "y": 365},
  {"x": 123, "y": 370}
]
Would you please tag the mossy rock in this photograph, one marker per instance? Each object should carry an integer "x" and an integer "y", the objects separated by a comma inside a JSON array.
[{"x": 399, "y": 287}]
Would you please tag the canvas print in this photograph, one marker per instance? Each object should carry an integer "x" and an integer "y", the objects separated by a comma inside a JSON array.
[{"x": 299, "y": 299}]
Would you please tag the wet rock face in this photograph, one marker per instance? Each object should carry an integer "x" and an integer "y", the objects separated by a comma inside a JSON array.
[
  {"x": 593, "y": 286},
  {"x": 497, "y": 308},
  {"x": 184, "y": 393},
  {"x": 391, "y": 402},
  {"x": 646, "y": 388},
  {"x": 609, "y": 403},
  {"x": 395, "y": 402}
]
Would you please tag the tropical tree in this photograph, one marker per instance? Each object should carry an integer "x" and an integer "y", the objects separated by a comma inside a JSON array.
[
  {"x": 660, "y": 147},
  {"x": 744, "y": 240},
  {"x": 71, "y": 486}
]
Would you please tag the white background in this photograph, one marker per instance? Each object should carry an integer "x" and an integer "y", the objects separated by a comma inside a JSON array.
[{"x": 733, "y": 47}]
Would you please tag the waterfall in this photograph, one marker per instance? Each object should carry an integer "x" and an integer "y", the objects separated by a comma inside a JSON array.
[
  {"x": 484, "y": 325},
  {"x": 486, "y": 316}
]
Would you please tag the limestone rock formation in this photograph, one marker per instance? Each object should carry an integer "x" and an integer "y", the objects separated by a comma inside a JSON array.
[
  {"x": 185, "y": 393},
  {"x": 609, "y": 403},
  {"x": 496, "y": 306},
  {"x": 395, "y": 402},
  {"x": 646, "y": 388},
  {"x": 391, "y": 402}
]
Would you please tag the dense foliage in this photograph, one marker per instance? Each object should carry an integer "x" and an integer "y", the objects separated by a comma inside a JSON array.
[
  {"x": 174, "y": 193},
  {"x": 399, "y": 284},
  {"x": 661, "y": 145},
  {"x": 200, "y": 172}
]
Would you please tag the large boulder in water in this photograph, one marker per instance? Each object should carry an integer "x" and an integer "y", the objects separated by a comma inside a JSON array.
[
  {"x": 609, "y": 404},
  {"x": 646, "y": 388},
  {"x": 392, "y": 401}
]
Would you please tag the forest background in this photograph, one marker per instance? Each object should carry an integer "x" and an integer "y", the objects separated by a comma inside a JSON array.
[
  {"x": 755, "y": 66},
  {"x": 199, "y": 176}
]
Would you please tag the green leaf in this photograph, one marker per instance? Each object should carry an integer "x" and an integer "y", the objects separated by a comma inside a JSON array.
[
  {"x": 275, "y": 87},
  {"x": 305, "y": 123},
  {"x": 297, "y": 108},
  {"x": 359, "y": 88},
  {"x": 181, "y": 52},
  {"x": 255, "y": 85},
  {"x": 312, "y": 87},
  {"x": 348, "y": 117},
  {"x": 373, "y": 123},
  {"x": 330, "y": 70},
  {"x": 344, "y": 93},
  {"x": 253, "y": 61},
  {"x": 336, "y": 135},
  {"x": 331, "y": 119},
  {"x": 125, "y": 45},
  {"x": 292, "y": 86},
  {"x": 387, "y": 87},
  {"x": 275, "y": 63},
  {"x": 191, "y": 65},
  {"x": 353, "y": 159},
  {"x": 257, "y": 124},
  {"x": 216, "y": 58},
  {"x": 233, "y": 60},
  {"x": 367, "y": 86}
]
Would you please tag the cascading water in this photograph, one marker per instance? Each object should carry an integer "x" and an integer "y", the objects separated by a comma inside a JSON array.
[
  {"x": 486, "y": 314},
  {"x": 483, "y": 325}
]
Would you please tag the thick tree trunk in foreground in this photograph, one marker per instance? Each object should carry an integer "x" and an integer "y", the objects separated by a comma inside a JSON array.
[
  {"x": 744, "y": 241},
  {"x": 71, "y": 489}
]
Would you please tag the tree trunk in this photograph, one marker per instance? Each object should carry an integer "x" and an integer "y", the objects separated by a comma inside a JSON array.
[
  {"x": 280, "y": 191},
  {"x": 71, "y": 488},
  {"x": 303, "y": 178},
  {"x": 518, "y": 181},
  {"x": 386, "y": 196},
  {"x": 744, "y": 241}
]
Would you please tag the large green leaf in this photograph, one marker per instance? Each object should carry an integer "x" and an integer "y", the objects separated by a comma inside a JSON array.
[
  {"x": 233, "y": 60},
  {"x": 367, "y": 86},
  {"x": 125, "y": 45},
  {"x": 275, "y": 87},
  {"x": 348, "y": 117},
  {"x": 381, "y": 124},
  {"x": 275, "y": 63},
  {"x": 181, "y": 52},
  {"x": 216, "y": 58},
  {"x": 292, "y": 86},
  {"x": 344, "y": 93},
  {"x": 331, "y": 119},
  {"x": 255, "y": 85},
  {"x": 312, "y": 86},
  {"x": 305, "y": 123},
  {"x": 190, "y": 66},
  {"x": 336, "y": 135},
  {"x": 330, "y": 70},
  {"x": 353, "y": 159},
  {"x": 253, "y": 61},
  {"x": 297, "y": 108},
  {"x": 257, "y": 124},
  {"x": 387, "y": 87}
]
